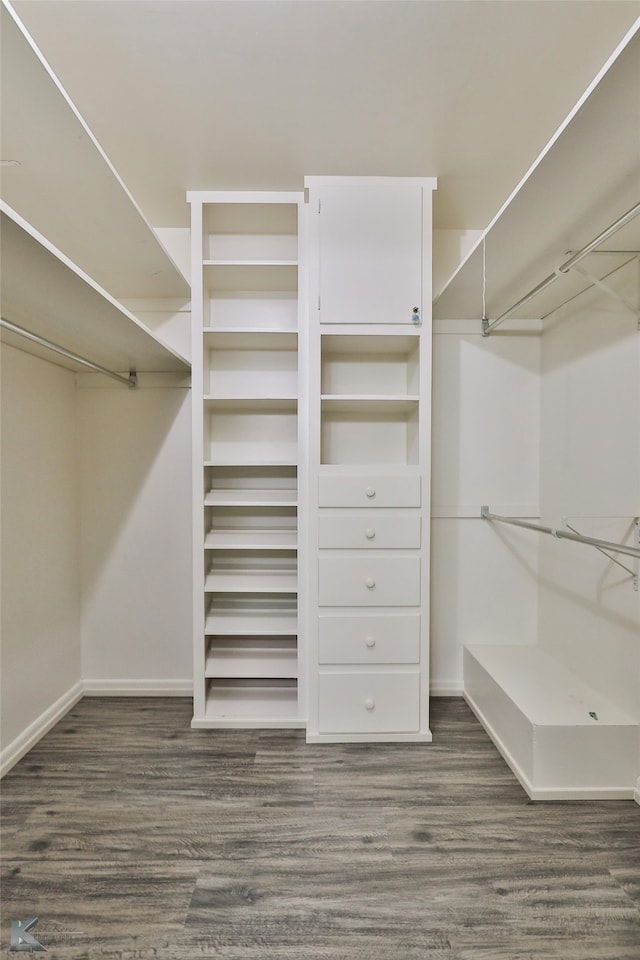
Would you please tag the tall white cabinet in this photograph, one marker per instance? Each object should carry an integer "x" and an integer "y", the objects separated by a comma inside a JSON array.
[
  {"x": 311, "y": 436},
  {"x": 369, "y": 374},
  {"x": 248, "y": 299}
]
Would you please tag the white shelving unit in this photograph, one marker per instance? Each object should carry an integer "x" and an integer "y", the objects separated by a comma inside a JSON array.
[
  {"x": 248, "y": 296},
  {"x": 370, "y": 387}
]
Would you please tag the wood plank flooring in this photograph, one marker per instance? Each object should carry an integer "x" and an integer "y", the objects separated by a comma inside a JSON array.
[{"x": 131, "y": 836}]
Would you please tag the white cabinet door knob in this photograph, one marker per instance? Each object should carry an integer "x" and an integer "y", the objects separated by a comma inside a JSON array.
[
  {"x": 370, "y": 533},
  {"x": 370, "y": 492},
  {"x": 370, "y": 703},
  {"x": 370, "y": 641},
  {"x": 370, "y": 582}
]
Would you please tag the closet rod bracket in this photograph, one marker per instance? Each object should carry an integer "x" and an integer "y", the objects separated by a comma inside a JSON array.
[
  {"x": 130, "y": 381},
  {"x": 601, "y": 545}
]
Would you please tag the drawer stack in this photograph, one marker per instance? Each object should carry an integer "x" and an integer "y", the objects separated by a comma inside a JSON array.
[{"x": 370, "y": 636}]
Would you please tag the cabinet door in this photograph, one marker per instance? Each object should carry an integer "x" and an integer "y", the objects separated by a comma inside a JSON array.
[{"x": 370, "y": 253}]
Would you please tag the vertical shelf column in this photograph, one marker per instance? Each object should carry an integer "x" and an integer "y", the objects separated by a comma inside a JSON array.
[
  {"x": 246, "y": 428},
  {"x": 369, "y": 489}
]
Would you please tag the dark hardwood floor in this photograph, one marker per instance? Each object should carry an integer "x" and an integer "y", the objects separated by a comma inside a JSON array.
[{"x": 130, "y": 835}]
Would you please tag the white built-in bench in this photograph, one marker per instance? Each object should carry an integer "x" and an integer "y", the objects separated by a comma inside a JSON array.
[{"x": 562, "y": 739}]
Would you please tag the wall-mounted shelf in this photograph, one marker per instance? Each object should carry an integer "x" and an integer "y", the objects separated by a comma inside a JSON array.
[
  {"x": 49, "y": 295},
  {"x": 64, "y": 184},
  {"x": 586, "y": 178}
]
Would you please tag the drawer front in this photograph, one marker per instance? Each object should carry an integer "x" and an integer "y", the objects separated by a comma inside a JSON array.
[
  {"x": 369, "y": 529},
  {"x": 369, "y": 581},
  {"x": 369, "y": 703},
  {"x": 376, "y": 639},
  {"x": 369, "y": 491}
]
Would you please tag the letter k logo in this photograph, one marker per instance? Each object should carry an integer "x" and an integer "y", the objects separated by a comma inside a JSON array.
[{"x": 21, "y": 939}]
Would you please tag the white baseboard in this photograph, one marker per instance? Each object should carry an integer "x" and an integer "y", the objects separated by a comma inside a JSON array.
[
  {"x": 636, "y": 792},
  {"x": 446, "y": 688},
  {"x": 41, "y": 725},
  {"x": 138, "y": 688}
]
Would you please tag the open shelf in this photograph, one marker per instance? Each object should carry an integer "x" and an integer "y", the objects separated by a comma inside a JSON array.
[
  {"x": 370, "y": 398},
  {"x": 252, "y": 431},
  {"x": 371, "y": 404},
  {"x": 250, "y": 311},
  {"x": 264, "y": 571},
  {"x": 250, "y": 338},
  {"x": 252, "y": 702},
  {"x": 250, "y": 496},
  {"x": 359, "y": 434},
  {"x": 266, "y": 657},
  {"x": 372, "y": 365},
  {"x": 242, "y": 539},
  {"x": 251, "y": 616},
  {"x": 256, "y": 277},
  {"x": 253, "y": 527},
  {"x": 258, "y": 402},
  {"x": 250, "y": 369},
  {"x": 250, "y": 484}
]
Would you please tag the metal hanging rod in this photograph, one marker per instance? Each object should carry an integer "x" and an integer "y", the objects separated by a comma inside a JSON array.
[
  {"x": 130, "y": 381},
  {"x": 562, "y": 534},
  {"x": 565, "y": 267}
]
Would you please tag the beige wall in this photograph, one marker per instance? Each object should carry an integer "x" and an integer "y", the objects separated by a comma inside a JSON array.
[{"x": 40, "y": 560}]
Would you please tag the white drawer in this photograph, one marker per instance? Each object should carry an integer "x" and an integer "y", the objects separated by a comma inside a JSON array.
[
  {"x": 373, "y": 490},
  {"x": 369, "y": 703},
  {"x": 376, "y": 639},
  {"x": 371, "y": 529},
  {"x": 369, "y": 581}
]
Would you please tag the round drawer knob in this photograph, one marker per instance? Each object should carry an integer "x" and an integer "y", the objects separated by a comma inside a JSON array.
[
  {"x": 370, "y": 641},
  {"x": 370, "y": 492},
  {"x": 370, "y": 703},
  {"x": 370, "y": 533},
  {"x": 370, "y": 582}
]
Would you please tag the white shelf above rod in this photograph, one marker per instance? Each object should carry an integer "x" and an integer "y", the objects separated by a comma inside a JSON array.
[
  {"x": 488, "y": 327},
  {"x": 130, "y": 381}
]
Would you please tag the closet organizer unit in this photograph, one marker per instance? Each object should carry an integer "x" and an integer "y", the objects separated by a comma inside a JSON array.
[
  {"x": 246, "y": 309},
  {"x": 370, "y": 386}
]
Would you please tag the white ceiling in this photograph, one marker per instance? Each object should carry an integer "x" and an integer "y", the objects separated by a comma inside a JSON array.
[{"x": 254, "y": 94}]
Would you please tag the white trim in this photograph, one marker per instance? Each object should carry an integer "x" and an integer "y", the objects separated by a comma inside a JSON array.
[
  {"x": 41, "y": 725},
  {"x": 203, "y": 723},
  {"x": 446, "y": 688},
  {"x": 138, "y": 688},
  {"x": 472, "y": 327},
  {"x": 370, "y": 737},
  {"x": 636, "y": 792},
  {"x": 546, "y": 793},
  {"x": 471, "y": 511},
  {"x": 429, "y": 183},
  {"x": 244, "y": 196}
]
